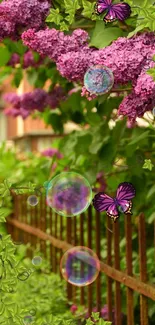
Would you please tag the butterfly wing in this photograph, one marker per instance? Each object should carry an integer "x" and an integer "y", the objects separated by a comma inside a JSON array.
[
  {"x": 102, "y": 5},
  {"x": 120, "y": 11},
  {"x": 103, "y": 202},
  {"x": 125, "y": 193}
]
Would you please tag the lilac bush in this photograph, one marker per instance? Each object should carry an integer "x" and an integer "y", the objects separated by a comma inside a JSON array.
[{"x": 126, "y": 58}]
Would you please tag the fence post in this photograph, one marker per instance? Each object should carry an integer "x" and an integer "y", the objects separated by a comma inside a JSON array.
[{"x": 143, "y": 268}]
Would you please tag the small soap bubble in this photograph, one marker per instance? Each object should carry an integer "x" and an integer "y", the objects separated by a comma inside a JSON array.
[
  {"x": 23, "y": 276},
  {"x": 32, "y": 312},
  {"x": 28, "y": 319},
  {"x": 80, "y": 266},
  {"x": 69, "y": 194},
  {"x": 37, "y": 260},
  {"x": 98, "y": 80},
  {"x": 32, "y": 200}
]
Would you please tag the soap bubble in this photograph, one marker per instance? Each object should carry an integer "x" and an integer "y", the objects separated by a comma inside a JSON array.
[
  {"x": 32, "y": 312},
  {"x": 80, "y": 266},
  {"x": 32, "y": 200},
  {"x": 37, "y": 260},
  {"x": 98, "y": 79},
  {"x": 23, "y": 276},
  {"x": 69, "y": 194},
  {"x": 28, "y": 319}
]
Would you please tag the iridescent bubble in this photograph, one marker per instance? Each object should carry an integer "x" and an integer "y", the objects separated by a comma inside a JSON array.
[
  {"x": 37, "y": 260},
  {"x": 28, "y": 319},
  {"x": 80, "y": 266},
  {"x": 69, "y": 194},
  {"x": 32, "y": 312},
  {"x": 32, "y": 200},
  {"x": 98, "y": 80},
  {"x": 23, "y": 276}
]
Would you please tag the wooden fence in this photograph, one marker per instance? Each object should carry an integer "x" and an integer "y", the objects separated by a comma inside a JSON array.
[{"x": 41, "y": 225}]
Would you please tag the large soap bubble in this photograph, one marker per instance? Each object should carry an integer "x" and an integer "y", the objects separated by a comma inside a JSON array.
[
  {"x": 69, "y": 194},
  {"x": 80, "y": 266},
  {"x": 98, "y": 80}
]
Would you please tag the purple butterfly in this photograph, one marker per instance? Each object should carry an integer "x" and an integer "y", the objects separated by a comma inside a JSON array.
[
  {"x": 120, "y": 11},
  {"x": 103, "y": 202}
]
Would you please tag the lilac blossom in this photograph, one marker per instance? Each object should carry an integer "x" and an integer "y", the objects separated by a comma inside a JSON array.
[
  {"x": 15, "y": 59},
  {"x": 53, "y": 43},
  {"x": 27, "y": 103},
  {"x": 17, "y": 15},
  {"x": 51, "y": 152},
  {"x": 27, "y": 61}
]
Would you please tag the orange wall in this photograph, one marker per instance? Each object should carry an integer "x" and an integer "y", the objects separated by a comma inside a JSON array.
[{"x": 30, "y": 125}]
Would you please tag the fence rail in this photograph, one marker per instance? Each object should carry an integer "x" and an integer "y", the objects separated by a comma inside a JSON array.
[{"x": 41, "y": 224}]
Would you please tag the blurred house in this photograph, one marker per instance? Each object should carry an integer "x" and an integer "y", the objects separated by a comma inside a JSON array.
[{"x": 30, "y": 134}]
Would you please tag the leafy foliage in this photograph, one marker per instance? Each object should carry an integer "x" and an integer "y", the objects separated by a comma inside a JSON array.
[{"x": 145, "y": 15}]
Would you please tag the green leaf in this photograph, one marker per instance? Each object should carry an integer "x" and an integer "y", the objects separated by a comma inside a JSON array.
[
  {"x": 64, "y": 26},
  {"x": 151, "y": 72},
  {"x": 95, "y": 316},
  {"x": 54, "y": 16},
  {"x": 103, "y": 36},
  {"x": 139, "y": 138},
  {"x": 71, "y": 6},
  {"x": 151, "y": 218},
  {"x": 17, "y": 77},
  {"x": 88, "y": 10},
  {"x": 55, "y": 121},
  {"x": 148, "y": 164},
  {"x": 5, "y": 72},
  {"x": 5, "y": 56},
  {"x": 32, "y": 76},
  {"x": 151, "y": 192},
  {"x": 93, "y": 118}
]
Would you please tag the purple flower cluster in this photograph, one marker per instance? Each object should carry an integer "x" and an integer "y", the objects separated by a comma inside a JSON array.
[
  {"x": 51, "y": 152},
  {"x": 17, "y": 15},
  {"x": 103, "y": 313},
  {"x": 127, "y": 58},
  {"x": 28, "y": 60},
  {"x": 38, "y": 99},
  {"x": 53, "y": 43}
]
